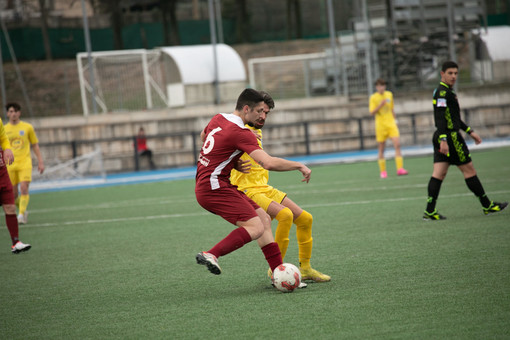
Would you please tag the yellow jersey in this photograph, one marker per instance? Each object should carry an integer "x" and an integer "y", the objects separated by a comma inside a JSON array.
[
  {"x": 257, "y": 177},
  {"x": 385, "y": 113},
  {"x": 4, "y": 141},
  {"x": 21, "y": 136}
]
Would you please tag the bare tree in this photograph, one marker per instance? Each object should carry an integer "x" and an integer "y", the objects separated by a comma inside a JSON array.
[
  {"x": 44, "y": 29},
  {"x": 170, "y": 24},
  {"x": 294, "y": 24},
  {"x": 113, "y": 8}
]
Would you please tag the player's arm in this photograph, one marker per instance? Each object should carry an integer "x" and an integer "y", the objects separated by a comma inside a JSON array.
[
  {"x": 440, "y": 107},
  {"x": 40, "y": 162},
  {"x": 6, "y": 146},
  {"x": 471, "y": 132},
  {"x": 373, "y": 108},
  {"x": 279, "y": 164}
]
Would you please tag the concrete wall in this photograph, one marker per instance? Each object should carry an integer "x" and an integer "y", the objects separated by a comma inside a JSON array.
[{"x": 170, "y": 138}]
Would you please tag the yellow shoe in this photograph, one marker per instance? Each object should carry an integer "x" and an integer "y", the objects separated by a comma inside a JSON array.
[{"x": 312, "y": 274}]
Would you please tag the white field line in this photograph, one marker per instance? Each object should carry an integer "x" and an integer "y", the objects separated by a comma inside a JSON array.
[{"x": 204, "y": 213}]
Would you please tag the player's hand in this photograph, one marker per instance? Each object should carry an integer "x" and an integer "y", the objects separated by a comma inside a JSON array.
[
  {"x": 243, "y": 166},
  {"x": 307, "y": 173},
  {"x": 40, "y": 167},
  {"x": 476, "y": 137},
  {"x": 8, "y": 156},
  {"x": 443, "y": 148}
]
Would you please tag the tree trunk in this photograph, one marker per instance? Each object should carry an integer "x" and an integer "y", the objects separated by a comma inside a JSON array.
[
  {"x": 170, "y": 22},
  {"x": 116, "y": 20},
  {"x": 242, "y": 22},
  {"x": 44, "y": 30}
]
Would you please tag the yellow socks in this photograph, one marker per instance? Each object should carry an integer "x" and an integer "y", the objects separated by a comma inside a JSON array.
[
  {"x": 284, "y": 218},
  {"x": 382, "y": 165},
  {"x": 23, "y": 203},
  {"x": 399, "y": 162},
  {"x": 304, "y": 238}
]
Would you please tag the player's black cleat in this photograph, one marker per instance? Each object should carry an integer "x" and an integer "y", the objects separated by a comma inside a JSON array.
[
  {"x": 495, "y": 207},
  {"x": 434, "y": 216}
]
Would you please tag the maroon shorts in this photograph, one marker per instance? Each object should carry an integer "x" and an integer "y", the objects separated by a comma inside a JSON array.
[
  {"x": 6, "y": 193},
  {"x": 228, "y": 203}
]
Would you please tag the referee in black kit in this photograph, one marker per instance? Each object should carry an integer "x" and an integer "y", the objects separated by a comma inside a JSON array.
[{"x": 450, "y": 147}]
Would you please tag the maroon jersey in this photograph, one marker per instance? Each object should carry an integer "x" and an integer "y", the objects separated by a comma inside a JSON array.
[
  {"x": 226, "y": 140},
  {"x": 6, "y": 193}
]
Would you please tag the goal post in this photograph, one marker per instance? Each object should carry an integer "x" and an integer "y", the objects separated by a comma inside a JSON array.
[{"x": 123, "y": 80}]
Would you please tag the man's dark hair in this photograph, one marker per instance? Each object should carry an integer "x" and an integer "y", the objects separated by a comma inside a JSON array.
[
  {"x": 449, "y": 64},
  {"x": 380, "y": 81},
  {"x": 249, "y": 97},
  {"x": 267, "y": 99},
  {"x": 15, "y": 106}
]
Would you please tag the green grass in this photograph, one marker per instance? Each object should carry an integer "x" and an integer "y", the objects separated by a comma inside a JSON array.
[{"x": 118, "y": 262}]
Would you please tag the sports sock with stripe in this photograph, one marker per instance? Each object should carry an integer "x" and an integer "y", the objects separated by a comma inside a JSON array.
[
  {"x": 433, "y": 193},
  {"x": 476, "y": 187}
]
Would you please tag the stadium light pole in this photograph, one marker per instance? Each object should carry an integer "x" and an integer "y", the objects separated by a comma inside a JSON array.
[
  {"x": 212, "y": 26},
  {"x": 89, "y": 55},
  {"x": 332, "y": 39}
]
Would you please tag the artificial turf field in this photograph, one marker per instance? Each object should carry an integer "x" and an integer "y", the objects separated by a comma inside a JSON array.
[{"x": 119, "y": 262}]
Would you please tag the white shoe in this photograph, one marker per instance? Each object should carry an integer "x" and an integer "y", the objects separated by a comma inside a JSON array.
[
  {"x": 23, "y": 218},
  {"x": 302, "y": 285},
  {"x": 19, "y": 247},
  {"x": 209, "y": 260}
]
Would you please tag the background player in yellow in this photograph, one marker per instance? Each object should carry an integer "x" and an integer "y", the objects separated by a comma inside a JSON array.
[
  {"x": 381, "y": 106},
  {"x": 23, "y": 138},
  {"x": 276, "y": 203}
]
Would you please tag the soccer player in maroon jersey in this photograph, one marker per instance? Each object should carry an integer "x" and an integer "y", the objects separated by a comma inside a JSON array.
[
  {"x": 7, "y": 194},
  {"x": 225, "y": 139}
]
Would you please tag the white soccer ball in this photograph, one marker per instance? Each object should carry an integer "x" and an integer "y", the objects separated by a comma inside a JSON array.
[{"x": 286, "y": 277}]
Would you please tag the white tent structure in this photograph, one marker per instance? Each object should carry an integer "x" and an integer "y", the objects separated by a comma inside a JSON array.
[
  {"x": 493, "y": 57},
  {"x": 190, "y": 73},
  {"x": 133, "y": 80}
]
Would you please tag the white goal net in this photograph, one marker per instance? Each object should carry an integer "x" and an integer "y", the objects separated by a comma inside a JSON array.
[
  {"x": 85, "y": 168},
  {"x": 122, "y": 80}
]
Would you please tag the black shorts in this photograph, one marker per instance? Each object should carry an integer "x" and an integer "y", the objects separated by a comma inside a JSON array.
[{"x": 459, "y": 152}]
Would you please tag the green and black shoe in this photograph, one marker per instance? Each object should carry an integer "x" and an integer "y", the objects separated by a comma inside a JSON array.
[
  {"x": 434, "y": 216},
  {"x": 495, "y": 207}
]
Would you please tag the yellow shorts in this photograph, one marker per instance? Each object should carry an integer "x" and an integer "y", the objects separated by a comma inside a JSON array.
[
  {"x": 263, "y": 196},
  {"x": 20, "y": 175},
  {"x": 384, "y": 131}
]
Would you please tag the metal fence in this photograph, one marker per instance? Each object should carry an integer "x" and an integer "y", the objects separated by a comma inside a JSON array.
[{"x": 283, "y": 140}]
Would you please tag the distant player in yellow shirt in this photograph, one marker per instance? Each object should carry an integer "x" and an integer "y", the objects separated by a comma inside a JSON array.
[
  {"x": 381, "y": 106},
  {"x": 276, "y": 203},
  {"x": 23, "y": 138}
]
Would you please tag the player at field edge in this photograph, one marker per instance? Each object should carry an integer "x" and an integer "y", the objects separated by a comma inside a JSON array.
[
  {"x": 450, "y": 147},
  {"x": 23, "y": 138},
  {"x": 277, "y": 204},
  {"x": 225, "y": 139},
  {"x": 7, "y": 194},
  {"x": 381, "y": 106}
]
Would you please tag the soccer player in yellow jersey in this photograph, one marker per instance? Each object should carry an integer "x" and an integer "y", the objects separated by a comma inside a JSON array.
[
  {"x": 23, "y": 138},
  {"x": 381, "y": 106},
  {"x": 280, "y": 207}
]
